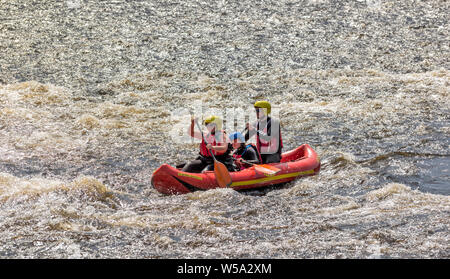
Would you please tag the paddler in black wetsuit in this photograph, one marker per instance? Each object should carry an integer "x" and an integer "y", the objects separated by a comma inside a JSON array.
[
  {"x": 268, "y": 133},
  {"x": 242, "y": 151}
]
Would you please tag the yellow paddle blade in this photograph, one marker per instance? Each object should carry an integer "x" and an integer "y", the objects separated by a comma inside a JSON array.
[
  {"x": 267, "y": 169},
  {"x": 270, "y": 167},
  {"x": 223, "y": 177}
]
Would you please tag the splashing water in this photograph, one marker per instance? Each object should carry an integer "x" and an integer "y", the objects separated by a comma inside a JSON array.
[{"x": 87, "y": 95}]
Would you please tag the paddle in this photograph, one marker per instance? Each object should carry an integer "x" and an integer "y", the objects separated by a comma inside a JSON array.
[
  {"x": 223, "y": 177},
  {"x": 267, "y": 169}
]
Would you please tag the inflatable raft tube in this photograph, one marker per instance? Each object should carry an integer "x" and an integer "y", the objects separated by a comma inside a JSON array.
[{"x": 299, "y": 162}]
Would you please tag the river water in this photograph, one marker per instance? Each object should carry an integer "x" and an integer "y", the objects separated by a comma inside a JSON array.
[{"x": 88, "y": 91}]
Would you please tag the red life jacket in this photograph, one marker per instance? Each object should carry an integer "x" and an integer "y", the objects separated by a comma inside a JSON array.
[
  {"x": 269, "y": 147},
  {"x": 210, "y": 138}
]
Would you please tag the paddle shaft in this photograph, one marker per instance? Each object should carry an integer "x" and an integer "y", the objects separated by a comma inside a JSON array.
[
  {"x": 223, "y": 177},
  {"x": 243, "y": 161},
  {"x": 203, "y": 137}
]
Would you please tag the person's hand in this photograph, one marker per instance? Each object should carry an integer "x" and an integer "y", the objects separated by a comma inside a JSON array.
[
  {"x": 208, "y": 146},
  {"x": 239, "y": 160}
]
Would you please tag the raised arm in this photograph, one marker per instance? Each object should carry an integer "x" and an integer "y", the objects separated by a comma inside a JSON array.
[
  {"x": 271, "y": 133},
  {"x": 191, "y": 130}
]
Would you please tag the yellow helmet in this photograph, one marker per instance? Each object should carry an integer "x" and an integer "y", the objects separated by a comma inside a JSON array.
[
  {"x": 214, "y": 119},
  {"x": 263, "y": 104}
]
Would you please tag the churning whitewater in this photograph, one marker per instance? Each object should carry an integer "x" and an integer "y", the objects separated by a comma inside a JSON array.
[{"x": 91, "y": 93}]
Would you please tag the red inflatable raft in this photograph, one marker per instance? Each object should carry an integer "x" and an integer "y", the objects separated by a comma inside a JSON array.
[{"x": 302, "y": 161}]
